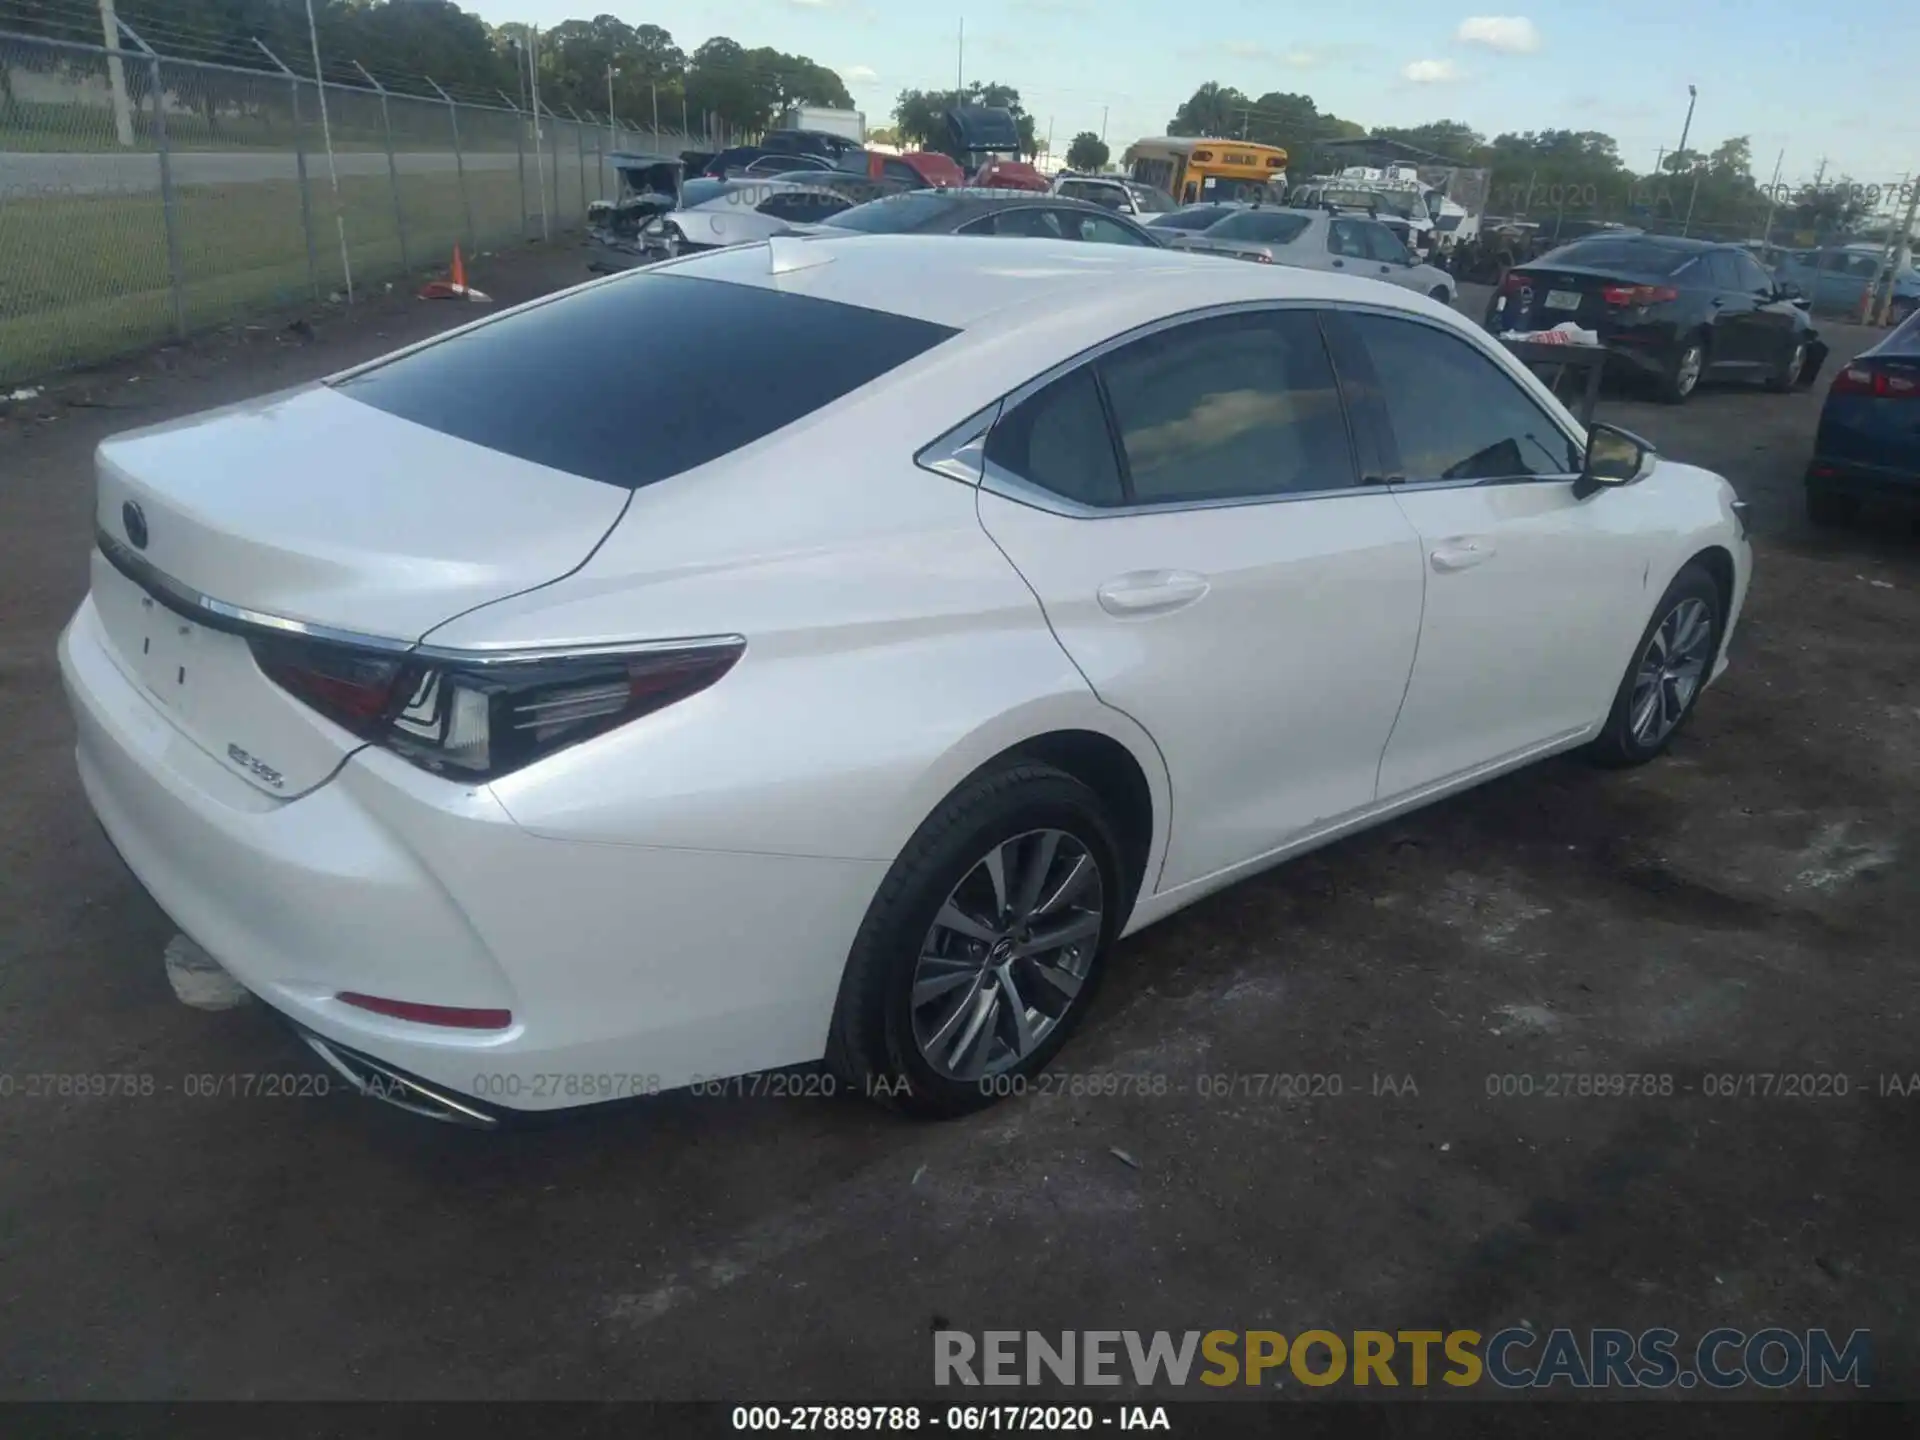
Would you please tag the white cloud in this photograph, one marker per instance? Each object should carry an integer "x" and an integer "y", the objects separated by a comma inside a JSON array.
[
  {"x": 1431, "y": 72},
  {"x": 858, "y": 74},
  {"x": 1515, "y": 34}
]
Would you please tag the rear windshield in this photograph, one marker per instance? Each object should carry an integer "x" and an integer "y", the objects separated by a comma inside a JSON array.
[
  {"x": 1260, "y": 225},
  {"x": 895, "y": 214},
  {"x": 1195, "y": 219},
  {"x": 1635, "y": 255},
  {"x": 643, "y": 377}
]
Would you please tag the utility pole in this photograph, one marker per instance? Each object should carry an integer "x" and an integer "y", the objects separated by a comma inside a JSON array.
[
  {"x": 960, "y": 62},
  {"x": 1902, "y": 243},
  {"x": 1103, "y": 124},
  {"x": 539, "y": 151},
  {"x": 1687, "y": 127},
  {"x": 326, "y": 134},
  {"x": 655, "y": 86},
  {"x": 117, "y": 75},
  {"x": 1773, "y": 197},
  {"x": 613, "y": 131}
]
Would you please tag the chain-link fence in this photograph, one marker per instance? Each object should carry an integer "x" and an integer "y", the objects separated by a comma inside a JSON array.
[{"x": 144, "y": 197}]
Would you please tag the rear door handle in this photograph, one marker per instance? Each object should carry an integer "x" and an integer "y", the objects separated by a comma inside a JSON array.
[
  {"x": 1339, "y": 264},
  {"x": 1463, "y": 553},
  {"x": 1151, "y": 592}
]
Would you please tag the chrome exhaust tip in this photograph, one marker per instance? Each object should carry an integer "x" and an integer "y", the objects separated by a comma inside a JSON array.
[{"x": 379, "y": 1082}]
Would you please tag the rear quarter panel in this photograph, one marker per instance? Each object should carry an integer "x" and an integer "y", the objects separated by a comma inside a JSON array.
[{"x": 891, "y": 650}]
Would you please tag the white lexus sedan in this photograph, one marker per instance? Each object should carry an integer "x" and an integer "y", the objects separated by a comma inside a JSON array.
[{"x": 531, "y": 723}]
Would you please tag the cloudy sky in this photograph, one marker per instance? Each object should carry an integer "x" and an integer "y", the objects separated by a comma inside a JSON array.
[{"x": 1839, "y": 84}]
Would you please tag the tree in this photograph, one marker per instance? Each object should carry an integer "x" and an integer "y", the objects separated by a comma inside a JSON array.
[
  {"x": 1449, "y": 138},
  {"x": 1213, "y": 109},
  {"x": 920, "y": 116},
  {"x": 1087, "y": 152},
  {"x": 883, "y": 135}
]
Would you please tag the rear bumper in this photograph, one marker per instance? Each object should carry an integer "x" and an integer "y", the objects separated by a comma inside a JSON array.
[
  {"x": 627, "y": 969},
  {"x": 1850, "y": 477}
]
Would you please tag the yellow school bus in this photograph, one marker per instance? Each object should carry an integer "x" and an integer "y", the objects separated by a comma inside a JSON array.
[{"x": 1194, "y": 168}]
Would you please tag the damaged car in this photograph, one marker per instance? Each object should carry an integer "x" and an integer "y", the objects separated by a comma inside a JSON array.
[{"x": 650, "y": 186}]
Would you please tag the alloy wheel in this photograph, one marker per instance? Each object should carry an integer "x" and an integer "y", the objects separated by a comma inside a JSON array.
[
  {"x": 1670, "y": 671},
  {"x": 1687, "y": 373},
  {"x": 1007, "y": 955}
]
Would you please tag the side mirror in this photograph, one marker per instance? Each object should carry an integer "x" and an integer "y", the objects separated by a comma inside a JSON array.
[{"x": 1614, "y": 457}]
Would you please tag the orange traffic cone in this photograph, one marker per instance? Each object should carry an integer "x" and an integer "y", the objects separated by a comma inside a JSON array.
[{"x": 455, "y": 288}]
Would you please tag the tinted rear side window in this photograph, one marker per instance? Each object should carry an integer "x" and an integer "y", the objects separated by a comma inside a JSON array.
[{"x": 639, "y": 379}]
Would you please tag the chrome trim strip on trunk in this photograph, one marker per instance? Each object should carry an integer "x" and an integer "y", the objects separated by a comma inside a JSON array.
[{"x": 239, "y": 620}]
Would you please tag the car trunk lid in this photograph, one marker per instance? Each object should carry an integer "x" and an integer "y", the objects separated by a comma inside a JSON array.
[
  {"x": 311, "y": 512},
  {"x": 1538, "y": 297}
]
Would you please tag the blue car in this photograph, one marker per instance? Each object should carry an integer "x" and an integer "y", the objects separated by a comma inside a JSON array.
[
  {"x": 1869, "y": 438},
  {"x": 1839, "y": 284}
]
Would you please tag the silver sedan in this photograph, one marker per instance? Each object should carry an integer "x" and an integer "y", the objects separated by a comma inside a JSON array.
[{"x": 1318, "y": 240}]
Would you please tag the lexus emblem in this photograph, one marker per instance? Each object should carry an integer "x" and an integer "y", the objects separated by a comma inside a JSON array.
[{"x": 135, "y": 519}]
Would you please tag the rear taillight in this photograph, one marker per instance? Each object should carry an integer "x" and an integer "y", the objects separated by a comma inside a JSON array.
[
  {"x": 1639, "y": 294},
  {"x": 485, "y": 718},
  {"x": 1859, "y": 379},
  {"x": 1516, "y": 281}
]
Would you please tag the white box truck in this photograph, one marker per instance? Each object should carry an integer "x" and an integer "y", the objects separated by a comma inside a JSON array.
[{"x": 847, "y": 124}]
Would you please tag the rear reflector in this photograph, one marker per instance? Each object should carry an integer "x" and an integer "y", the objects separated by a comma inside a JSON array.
[
  {"x": 1639, "y": 294},
  {"x": 452, "y": 1017}
]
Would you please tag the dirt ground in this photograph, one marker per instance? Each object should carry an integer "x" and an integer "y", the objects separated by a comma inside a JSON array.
[{"x": 1746, "y": 905}]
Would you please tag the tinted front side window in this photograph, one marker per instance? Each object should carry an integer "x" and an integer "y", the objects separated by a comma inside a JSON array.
[
  {"x": 1344, "y": 238},
  {"x": 1384, "y": 245},
  {"x": 1101, "y": 230},
  {"x": 570, "y": 385},
  {"x": 1236, "y": 407},
  {"x": 1030, "y": 220},
  {"x": 1454, "y": 414},
  {"x": 1723, "y": 271},
  {"x": 1059, "y": 441}
]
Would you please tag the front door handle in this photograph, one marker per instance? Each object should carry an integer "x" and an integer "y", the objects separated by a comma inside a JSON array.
[
  {"x": 1339, "y": 264},
  {"x": 1463, "y": 553},
  {"x": 1151, "y": 592}
]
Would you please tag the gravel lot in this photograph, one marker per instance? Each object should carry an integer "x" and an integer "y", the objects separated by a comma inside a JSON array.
[{"x": 1745, "y": 905}]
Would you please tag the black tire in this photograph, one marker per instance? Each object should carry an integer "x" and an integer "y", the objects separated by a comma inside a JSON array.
[
  {"x": 1618, "y": 746},
  {"x": 1439, "y": 292},
  {"x": 1675, "y": 386},
  {"x": 1789, "y": 374},
  {"x": 1826, "y": 507},
  {"x": 871, "y": 1046}
]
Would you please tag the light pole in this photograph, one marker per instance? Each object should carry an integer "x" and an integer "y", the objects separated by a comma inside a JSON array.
[
  {"x": 613, "y": 134},
  {"x": 1692, "y": 95}
]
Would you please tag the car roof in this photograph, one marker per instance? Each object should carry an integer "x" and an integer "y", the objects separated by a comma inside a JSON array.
[{"x": 961, "y": 283}]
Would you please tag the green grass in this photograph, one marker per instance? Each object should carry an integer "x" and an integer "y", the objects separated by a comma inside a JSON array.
[
  {"x": 84, "y": 278},
  {"x": 88, "y": 129}
]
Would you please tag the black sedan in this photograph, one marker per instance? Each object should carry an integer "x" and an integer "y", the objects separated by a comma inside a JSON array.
[
  {"x": 991, "y": 212},
  {"x": 1869, "y": 438},
  {"x": 1673, "y": 311}
]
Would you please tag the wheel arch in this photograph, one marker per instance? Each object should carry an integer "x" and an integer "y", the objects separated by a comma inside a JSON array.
[
  {"x": 1102, "y": 747},
  {"x": 1717, "y": 561}
]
